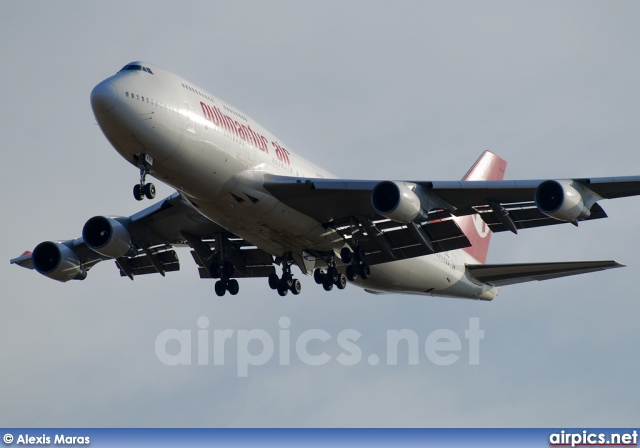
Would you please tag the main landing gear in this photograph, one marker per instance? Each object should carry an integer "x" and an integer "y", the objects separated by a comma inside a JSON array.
[
  {"x": 226, "y": 283},
  {"x": 285, "y": 283},
  {"x": 357, "y": 267},
  {"x": 143, "y": 189},
  {"x": 331, "y": 277}
]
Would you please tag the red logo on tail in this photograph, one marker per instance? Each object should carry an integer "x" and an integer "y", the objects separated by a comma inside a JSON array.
[{"x": 488, "y": 167}]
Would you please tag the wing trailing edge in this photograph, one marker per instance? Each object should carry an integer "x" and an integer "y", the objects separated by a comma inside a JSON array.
[{"x": 510, "y": 274}]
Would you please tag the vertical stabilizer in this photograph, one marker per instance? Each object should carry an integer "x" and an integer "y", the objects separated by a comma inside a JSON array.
[{"x": 488, "y": 167}]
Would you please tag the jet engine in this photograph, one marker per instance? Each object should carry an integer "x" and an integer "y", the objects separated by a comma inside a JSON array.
[
  {"x": 560, "y": 200},
  {"x": 57, "y": 261},
  {"x": 107, "y": 236},
  {"x": 396, "y": 201}
]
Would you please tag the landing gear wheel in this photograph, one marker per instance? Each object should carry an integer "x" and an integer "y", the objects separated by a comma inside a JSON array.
[
  {"x": 352, "y": 273},
  {"x": 364, "y": 271},
  {"x": 137, "y": 192},
  {"x": 342, "y": 281},
  {"x": 220, "y": 288},
  {"x": 287, "y": 280},
  {"x": 150, "y": 191},
  {"x": 327, "y": 285},
  {"x": 318, "y": 276},
  {"x": 296, "y": 287},
  {"x": 283, "y": 290},
  {"x": 233, "y": 287},
  {"x": 273, "y": 281},
  {"x": 346, "y": 255},
  {"x": 359, "y": 253},
  {"x": 332, "y": 274}
]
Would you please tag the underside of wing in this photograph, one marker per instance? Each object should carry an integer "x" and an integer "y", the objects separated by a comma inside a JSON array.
[
  {"x": 404, "y": 219},
  {"x": 510, "y": 274},
  {"x": 144, "y": 244}
]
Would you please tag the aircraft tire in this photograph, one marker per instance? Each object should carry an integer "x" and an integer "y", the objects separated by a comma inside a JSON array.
[
  {"x": 233, "y": 287},
  {"x": 273, "y": 281},
  {"x": 342, "y": 281},
  {"x": 332, "y": 274},
  {"x": 352, "y": 273},
  {"x": 137, "y": 192},
  {"x": 150, "y": 191},
  {"x": 296, "y": 287},
  {"x": 318, "y": 276},
  {"x": 220, "y": 288},
  {"x": 283, "y": 290},
  {"x": 364, "y": 271}
]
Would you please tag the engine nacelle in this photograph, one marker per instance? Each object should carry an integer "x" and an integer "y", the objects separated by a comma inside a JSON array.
[
  {"x": 396, "y": 201},
  {"x": 560, "y": 200},
  {"x": 107, "y": 236},
  {"x": 57, "y": 261}
]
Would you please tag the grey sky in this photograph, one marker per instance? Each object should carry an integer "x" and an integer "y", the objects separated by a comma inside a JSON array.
[{"x": 386, "y": 90}]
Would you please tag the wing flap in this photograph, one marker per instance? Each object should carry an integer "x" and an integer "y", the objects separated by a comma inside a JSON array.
[
  {"x": 510, "y": 274},
  {"x": 156, "y": 260},
  {"x": 247, "y": 263},
  {"x": 528, "y": 216}
]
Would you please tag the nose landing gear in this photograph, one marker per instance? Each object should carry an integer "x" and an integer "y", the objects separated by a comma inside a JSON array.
[{"x": 142, "y": 190}]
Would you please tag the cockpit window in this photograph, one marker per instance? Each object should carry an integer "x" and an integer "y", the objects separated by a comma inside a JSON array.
[{"x": 136, "y": 67}]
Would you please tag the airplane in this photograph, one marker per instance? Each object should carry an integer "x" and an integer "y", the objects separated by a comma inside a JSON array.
[{"x": 245, "y": 203}]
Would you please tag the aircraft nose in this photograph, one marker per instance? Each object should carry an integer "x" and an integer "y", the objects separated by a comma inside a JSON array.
[{"x": 103, "y": 97}]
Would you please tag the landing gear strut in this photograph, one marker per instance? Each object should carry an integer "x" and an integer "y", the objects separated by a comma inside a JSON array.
[
  {"x": 143, "y": 189},
  {"x": 330, "y": 278},
  {"x": 356, "y": 267},
  {"x": 285, "y": 283},
  {"x": 226, "y": 283}
]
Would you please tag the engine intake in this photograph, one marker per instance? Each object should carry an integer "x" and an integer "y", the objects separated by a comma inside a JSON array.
[
  {"x": 107, "y": 236},
  {"x": 559, "y": 199},
  {"x": 57, "y": 261},
  {"x": 396, "y": 201}
]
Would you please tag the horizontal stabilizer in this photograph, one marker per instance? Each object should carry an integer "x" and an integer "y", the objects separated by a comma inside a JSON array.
[
  {"x": 23, "y": 260},
  {"x": 510, "y": 274}
]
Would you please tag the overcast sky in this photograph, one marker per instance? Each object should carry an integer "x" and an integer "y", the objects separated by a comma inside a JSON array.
[{"x": 380, "y": 90}]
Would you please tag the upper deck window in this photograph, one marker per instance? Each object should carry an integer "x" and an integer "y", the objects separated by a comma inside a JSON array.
[{"x": 136, "y": 67}]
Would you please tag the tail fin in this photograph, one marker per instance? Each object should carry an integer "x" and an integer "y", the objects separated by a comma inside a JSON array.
[{"x": 488, "y": 167}]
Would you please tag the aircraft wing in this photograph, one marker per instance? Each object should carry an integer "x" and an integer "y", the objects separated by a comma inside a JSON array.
[
  {"x": 153, "y": 232},
  {"x": 510, "y": 274},
  {"x": 502, "y": 205}
]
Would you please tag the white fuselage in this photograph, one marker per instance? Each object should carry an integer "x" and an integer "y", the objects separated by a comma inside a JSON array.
[{"x": 216, "y": 156}]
